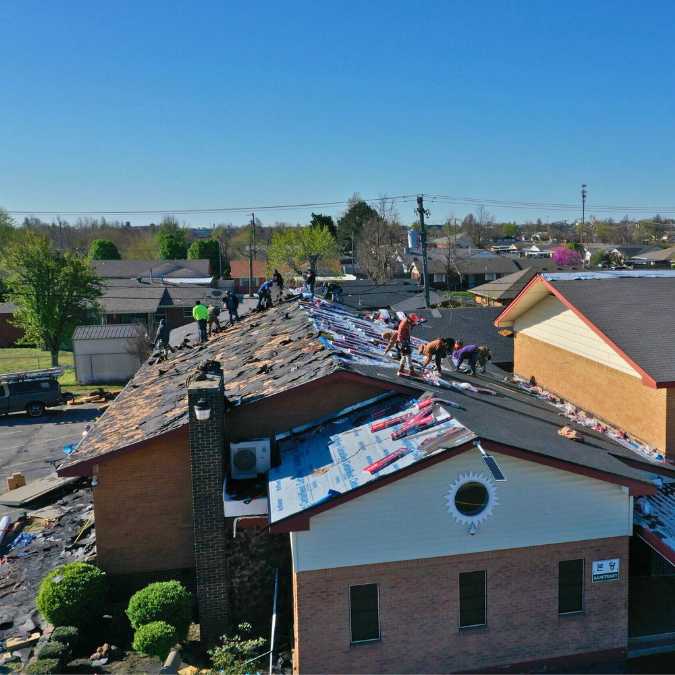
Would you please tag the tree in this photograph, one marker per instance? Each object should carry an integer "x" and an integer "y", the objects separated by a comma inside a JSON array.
[
  {"x": 349, "y": 226},
  {"x": 53, "y": 290},
  {"x": 171, "y": 240},
  {"x": 319, "y": 220},
  {"x": 509, "y": 230},
  {"x": 452, "y": 267},
  {"x": 206, "y": 248},
  {"x": 377, "y": 247},
  {"x": 566, "y": 257},
  {"x": 103, "y": 249},
  {"x": 296, "y": 247}
]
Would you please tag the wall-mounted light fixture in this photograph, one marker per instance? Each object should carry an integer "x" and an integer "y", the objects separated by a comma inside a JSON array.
[{"x": 202, "y": 410}]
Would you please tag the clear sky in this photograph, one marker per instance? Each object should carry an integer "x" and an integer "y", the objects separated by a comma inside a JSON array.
[{"x": 168, "y": 105}]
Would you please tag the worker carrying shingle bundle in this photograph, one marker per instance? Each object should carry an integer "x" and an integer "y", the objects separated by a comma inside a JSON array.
[
  {"x": 438, "y": 350},
  {"x": 401, "y": 338},
  {"x": 200, "y": 314}
]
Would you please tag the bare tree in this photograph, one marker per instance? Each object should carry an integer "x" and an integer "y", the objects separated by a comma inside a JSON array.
[
  {"x": 452, "y": 267},
  {"x": 379, "y": 242}
]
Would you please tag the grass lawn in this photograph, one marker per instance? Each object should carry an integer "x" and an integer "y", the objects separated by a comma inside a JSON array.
[{"x": 16, "y": 359}]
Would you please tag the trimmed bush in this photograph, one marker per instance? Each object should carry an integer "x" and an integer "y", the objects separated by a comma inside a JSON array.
[
  {"x": 44, "y": 667},
  {"x": 155, "y": 639},
  {"x": 67, "y": 635},
  {"x": 162, "y": 601},
  {"x": 54, "y": 650},
  {"x": 72, "y": 595}
]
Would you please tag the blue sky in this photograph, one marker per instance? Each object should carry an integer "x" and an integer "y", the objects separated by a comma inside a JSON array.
[{"x": 144, "y": 105}]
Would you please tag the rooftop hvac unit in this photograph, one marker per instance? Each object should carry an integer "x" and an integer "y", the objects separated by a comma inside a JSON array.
[{"x": 250, "y": 458}]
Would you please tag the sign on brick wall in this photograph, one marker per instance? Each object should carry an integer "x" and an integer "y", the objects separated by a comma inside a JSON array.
[{"x": 606, "y": 570}]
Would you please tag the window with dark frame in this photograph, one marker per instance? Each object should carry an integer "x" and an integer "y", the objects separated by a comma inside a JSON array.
[
  {"x": 472, "y": 597},
  {"x": 364, "y": 613},
  {"x": 570, "y": 586}
]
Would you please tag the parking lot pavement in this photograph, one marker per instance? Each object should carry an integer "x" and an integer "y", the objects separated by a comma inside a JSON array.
[{"x": 27, "y": 444}]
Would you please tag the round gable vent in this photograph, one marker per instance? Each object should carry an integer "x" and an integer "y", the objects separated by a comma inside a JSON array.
[{"x": 471, "y": 499}]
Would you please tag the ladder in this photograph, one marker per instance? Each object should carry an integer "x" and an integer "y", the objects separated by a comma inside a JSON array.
[{"x": 43, "y": 374}]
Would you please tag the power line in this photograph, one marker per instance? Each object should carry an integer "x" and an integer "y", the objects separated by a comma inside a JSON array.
[
  {"x": 551, "y": 207},
  {"x": 225, "y": 209}
]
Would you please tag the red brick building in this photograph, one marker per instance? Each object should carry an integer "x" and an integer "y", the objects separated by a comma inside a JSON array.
[{"x": 486, "y": 540}]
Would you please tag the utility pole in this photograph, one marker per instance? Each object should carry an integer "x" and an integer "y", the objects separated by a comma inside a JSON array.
[
  {"x": 251, "y": 255},
  {"x": 421, "y": 211},
  {"x": 583, "y": 219}
]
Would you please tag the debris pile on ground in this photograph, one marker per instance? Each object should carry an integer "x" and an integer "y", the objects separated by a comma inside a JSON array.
[
  {"x": 98, "y": 396},
  {"x": 33, "y": 545}
]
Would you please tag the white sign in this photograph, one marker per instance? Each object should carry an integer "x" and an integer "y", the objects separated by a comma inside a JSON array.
[{"x": 606, "y": 570}]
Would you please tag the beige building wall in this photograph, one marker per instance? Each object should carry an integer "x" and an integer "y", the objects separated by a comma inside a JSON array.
[{"x": 614, "y": 396}]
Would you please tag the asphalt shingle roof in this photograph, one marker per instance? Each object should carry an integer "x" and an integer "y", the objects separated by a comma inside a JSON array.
[
  {"x": 295, "y": 343},
  {"x": 129, "y": 269},
  {"x": 154, "y": 402},
  {"x": 637, "y": 313},
  {"x": 474, "y": 325}
]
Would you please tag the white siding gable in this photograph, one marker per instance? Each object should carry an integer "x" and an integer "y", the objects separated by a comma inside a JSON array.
[
  {"x": 550, "y": 321},
  {"x": 409, "y": 519}
]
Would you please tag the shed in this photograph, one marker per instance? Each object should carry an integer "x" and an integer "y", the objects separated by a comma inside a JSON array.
[{"x": 108, "y": 354}]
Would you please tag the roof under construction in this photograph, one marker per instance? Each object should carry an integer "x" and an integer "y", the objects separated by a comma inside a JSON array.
[{"x": 297, "y": 343}]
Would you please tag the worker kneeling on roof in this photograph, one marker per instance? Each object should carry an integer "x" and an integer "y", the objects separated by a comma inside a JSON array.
[{"x": 438, "y": 350}]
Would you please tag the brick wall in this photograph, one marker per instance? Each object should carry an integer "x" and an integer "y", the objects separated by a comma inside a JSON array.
[
  {"x": 615, "y": 397},
  {"x": 144, "y": 496},
  {"x": 419, "y": 609}
]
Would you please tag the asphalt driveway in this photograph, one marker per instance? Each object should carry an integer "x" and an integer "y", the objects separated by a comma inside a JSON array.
[{"x": 28, "y": 444}]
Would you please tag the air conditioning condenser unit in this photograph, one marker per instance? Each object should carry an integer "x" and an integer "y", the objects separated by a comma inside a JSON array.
[{"x": 249, "y": 458}]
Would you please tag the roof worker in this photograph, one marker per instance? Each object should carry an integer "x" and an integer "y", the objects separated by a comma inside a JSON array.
[
  {"x": 279, "y": 279},
  {"x": 465, "y": 353},
  {"x": 162, "y": 336},
  {"x": 265, "y": 295},
  {"x": 310, "y": 280},
  {"x": 402, "y": 340},
  {"x": 232, "y": 305},
  {"x": 484, "y": 355},
  {"x": 437, "y": 349},
  {"x": 200, "y": 314},
  {"x": 213, "y": 312}
]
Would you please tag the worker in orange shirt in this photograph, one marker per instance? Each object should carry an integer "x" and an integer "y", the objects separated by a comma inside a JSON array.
[
  {"x": 437, "y": 349},
  {"x": 401, "y": 338}
]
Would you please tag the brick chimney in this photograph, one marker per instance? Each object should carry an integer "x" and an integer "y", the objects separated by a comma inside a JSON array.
[{"x": 206, "y": 400}]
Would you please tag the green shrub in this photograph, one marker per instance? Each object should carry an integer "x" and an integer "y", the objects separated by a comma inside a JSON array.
[
  {"x": 162, "y": 601},
  {"x": 54, "y": 650},
  {"x": 230, "y": 657},
  {"x": 155, "y": 639},
  {"x": 72, "y": 595},
  {"x": 44, "y": 667},
  {"x": 68, "y": 635}
]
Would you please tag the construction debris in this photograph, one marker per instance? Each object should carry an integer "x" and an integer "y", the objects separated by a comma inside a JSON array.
[
  {"x": 572, "y": 434},
  {"x": 34, "y": 490},
  {"x": 16, "y": 480},
  {"x": 35, "y": 543}
]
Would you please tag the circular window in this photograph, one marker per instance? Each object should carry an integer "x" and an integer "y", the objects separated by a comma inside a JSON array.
[{"x": 471, "y": 498}]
